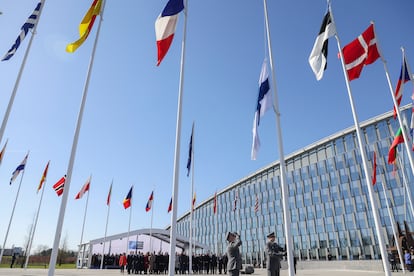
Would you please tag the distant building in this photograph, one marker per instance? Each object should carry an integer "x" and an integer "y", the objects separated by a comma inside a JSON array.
[{"x": 328, "y": 199}]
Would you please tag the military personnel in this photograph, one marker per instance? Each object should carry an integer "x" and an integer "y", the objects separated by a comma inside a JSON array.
[
  {"x": 234, "y": 263},
  {"x": 274, "y": 254}
]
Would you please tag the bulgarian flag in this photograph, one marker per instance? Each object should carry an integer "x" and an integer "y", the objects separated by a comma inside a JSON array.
[{"x": 392, "y": 153}]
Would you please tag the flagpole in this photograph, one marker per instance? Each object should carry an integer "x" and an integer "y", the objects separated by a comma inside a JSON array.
[
  {"x": 83, "y": 226},
  {"x": 106, "y": 228},
  {"x": 11, "y": 216},
  {"x": 190, "y": 252},
  {"x": 152, "y": 216},
  {"x": 63, "y": 204},
  {"x": 35, "y": 224},
  {"x": 406, "y": 187},
  {"x": 390, "y": 214},
  {"x": 19, "y": 75},
  {"x": 173, "y": 228},
  {"x": 216, "y": 215},
  {"x": 129, "y": 228},
  {"x": 396, "y": 107},
  {"x": 364, "y": 161},
  {"x": 259, "y": 225},
  {"x": 282, "y": 165},
  {"x": 26, "y": 250}
]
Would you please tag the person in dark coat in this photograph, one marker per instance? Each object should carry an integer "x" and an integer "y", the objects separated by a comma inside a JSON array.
[
  {"x": 274, "y": 253},
  {"x": 234, "y": 263}
]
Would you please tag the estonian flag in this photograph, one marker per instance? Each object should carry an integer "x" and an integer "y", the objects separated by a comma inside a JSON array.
[{"x": 318, "y": 56}]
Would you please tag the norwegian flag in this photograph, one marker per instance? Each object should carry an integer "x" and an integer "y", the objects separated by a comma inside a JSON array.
[{"x": 59, "y": 186}]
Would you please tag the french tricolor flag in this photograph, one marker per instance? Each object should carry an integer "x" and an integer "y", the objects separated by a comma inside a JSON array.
[{"x": 165, "y": 27}]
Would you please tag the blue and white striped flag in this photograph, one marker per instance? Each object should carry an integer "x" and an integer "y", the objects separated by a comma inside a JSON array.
[
  {"x": 30, "y": 23},
  {"x": 19, "y": 169}
]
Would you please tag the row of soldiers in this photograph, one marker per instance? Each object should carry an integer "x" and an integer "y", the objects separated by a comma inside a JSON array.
[{"x": 152, "y": 263}]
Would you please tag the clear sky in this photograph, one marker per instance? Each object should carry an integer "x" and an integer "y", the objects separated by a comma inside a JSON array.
[{"x": 128, "y": 130}]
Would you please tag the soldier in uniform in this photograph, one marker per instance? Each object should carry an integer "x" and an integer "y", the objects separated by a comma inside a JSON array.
[
  {"x": 274, "y": 253},
  {"x": 233, "y": 254}
]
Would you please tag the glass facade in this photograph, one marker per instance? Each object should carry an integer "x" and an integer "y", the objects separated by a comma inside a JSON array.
[{"x": 330, "y": 210}]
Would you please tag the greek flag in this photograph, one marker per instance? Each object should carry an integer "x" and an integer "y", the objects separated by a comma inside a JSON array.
[{"x": 30, "y": 23}]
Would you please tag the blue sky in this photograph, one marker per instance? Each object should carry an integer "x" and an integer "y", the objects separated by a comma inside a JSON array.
[{"x": 128, "y": 129}]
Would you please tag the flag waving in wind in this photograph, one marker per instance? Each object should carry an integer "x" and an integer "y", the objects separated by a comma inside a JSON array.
[
  {"x": 256, "y": 204},
  {"x": 360, "y": 52},
  {"x": 392, "y": 153},
  {"x": 19, "y": 169},
  {"x": 84, "y": 189},
  {"x": 108, "y": 198},
  {"x": 43, "y": 179},
  {"x": 319, "y": 54},
  {"x": 404, "y": 77},
  {"x": 190, "y": 152},
  {"x": 127, "y": 199},
  {"x": 193, "y": 202},
  {"x": 3, "y": 151},
  {"x": 60, "y": 185},
  {"x": 374, "y": 169},
  {"x": 29, "y": 25},
  {"x": 165, "y": 27},
  {"x": 149, "y": 202},
  {"x": 86, "y": 25},
  {"x": 170, "y": 206},
  {"x": 264, "y": 102},
  {"x": 215, "y": 203}
]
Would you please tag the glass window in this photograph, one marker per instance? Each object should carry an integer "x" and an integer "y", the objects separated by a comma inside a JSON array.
[
  {"x": 383, "y": 130},
  {"x": 371, "y": 134},
  {"x": 339, "y": 146},
  {"x": 321, "y": 167},
  {"x": 350, "y": 142}
]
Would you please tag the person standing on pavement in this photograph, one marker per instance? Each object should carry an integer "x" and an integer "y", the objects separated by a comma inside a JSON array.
[
  {"x": 122, "y": 262},
  {"x": 234, "y": 263},
  {"x": 274, "y": 253}
]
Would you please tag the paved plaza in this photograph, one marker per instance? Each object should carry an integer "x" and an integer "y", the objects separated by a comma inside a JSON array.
[{"x": 257, "y": 272}]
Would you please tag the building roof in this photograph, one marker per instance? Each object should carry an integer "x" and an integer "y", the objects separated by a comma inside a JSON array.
[{"x": 161, "y": 234}]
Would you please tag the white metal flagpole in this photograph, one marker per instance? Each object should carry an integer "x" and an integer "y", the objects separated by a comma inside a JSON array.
[
  {"x": 63, "y": 204},
  {"x": 35, "y": 223},
  {"x": 82, "y": 251},
  {"x": 407, "y": 188},
  {"x": 129, "y": 228},
  {"x": 390, "y": 214},
  {"x": 106, "y": 224},
  {"x": 16, "y": 85},
  {"x": 397, "y": 109},
  {"x": 374, "y": 208},
  {"x": 286, "y": 211},
  {"x": 191, "y": 202},
  {"x": 173, "y": 242},
  {"x": 152, "y": 217},
  {"x": 11, "y": 216}
]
